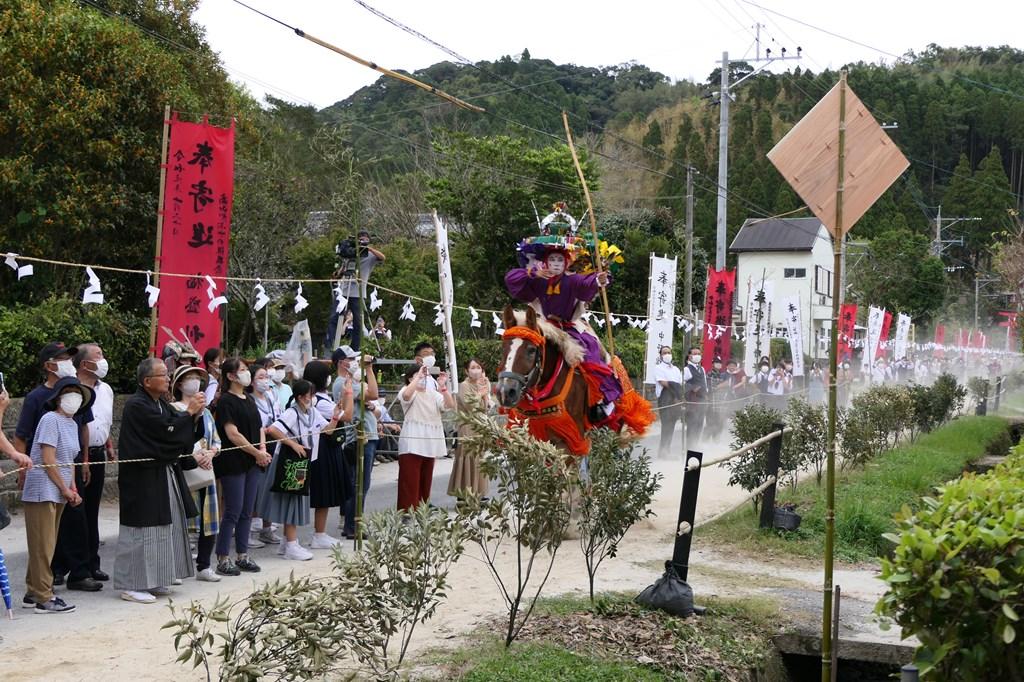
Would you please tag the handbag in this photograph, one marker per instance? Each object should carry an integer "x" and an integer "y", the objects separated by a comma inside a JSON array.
[
  {"x": 291, "y": 472},
  {"x": 199, "y": 478}
]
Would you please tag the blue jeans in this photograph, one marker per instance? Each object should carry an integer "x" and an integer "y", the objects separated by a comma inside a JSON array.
[
  {"x": 239, "y": 493},
  {"x": 369, "y": 451}
]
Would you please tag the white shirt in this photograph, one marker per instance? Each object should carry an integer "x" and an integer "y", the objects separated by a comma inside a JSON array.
[
  {"x": 664, "y": 372},
  {"x": 211, "y": 391},
  {"x": 102, "y": 415}
]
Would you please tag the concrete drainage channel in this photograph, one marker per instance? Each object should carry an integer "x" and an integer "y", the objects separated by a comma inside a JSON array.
[{"x": 859, "y": 661}]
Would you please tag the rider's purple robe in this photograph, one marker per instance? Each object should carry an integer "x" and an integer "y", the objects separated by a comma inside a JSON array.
[{"x": 558, "y": 297}]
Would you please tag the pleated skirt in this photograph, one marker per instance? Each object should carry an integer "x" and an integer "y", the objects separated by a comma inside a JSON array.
[
  {"x": 327, "y": 476},
  {"x": 283, "y": 507}
]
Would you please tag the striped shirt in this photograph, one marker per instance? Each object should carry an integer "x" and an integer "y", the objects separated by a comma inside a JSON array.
[{"x": 62, "y": 433}]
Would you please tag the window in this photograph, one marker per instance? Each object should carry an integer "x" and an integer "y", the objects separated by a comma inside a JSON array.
[
  {"x": 794, "y": 273},
  {"x": 822, "y": 281}
]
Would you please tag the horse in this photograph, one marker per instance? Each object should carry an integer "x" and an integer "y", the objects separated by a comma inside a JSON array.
[{"x": 540, "y": 380}]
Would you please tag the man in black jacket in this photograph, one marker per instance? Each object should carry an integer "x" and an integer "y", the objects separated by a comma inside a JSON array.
[
  {"x": 152, "y": 546},
  {"x": 695, "y": 387}
]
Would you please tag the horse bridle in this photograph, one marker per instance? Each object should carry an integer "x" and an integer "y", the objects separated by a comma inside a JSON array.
[{"x": 527, "y": 380}]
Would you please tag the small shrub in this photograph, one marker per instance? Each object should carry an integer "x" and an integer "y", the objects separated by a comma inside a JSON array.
[
  {"x": 808, "y": 443},
  {"x": 615, "y": 495},
  {"x": 748, "y": 470},
  {"x": 956, "y": 579},
  {"x": 948, "y": 397}
]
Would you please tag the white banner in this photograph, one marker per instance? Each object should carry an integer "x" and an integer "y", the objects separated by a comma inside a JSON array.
[
  {"x": 661, "y": 304},
  {"x": 757, "y": 314},
  {"x": 902, "y": 333},
  {"x": 444, "y": 277},
  {"x": 794, "y": 329},
  {"x": 876, "y": 316}
]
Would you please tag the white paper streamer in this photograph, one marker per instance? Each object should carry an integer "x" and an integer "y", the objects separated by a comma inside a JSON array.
[
  {"x": 261, "y": 297},
  {"x": 497, "y": 324},
  {"x": 408, "y": 312},
  {"x": 300, "y": 301},
  {"x": 214, "y": 300},
  {"x": 154, "y": 293},
  {"x": 438, "y": 316},
  {"x": 92, "y": 293},
  {"x": 340, "y": 298},
  {"x": 375, "y": 300},
  {"x": 22, "y": 270},
  {"x": 474, "y": 323}
]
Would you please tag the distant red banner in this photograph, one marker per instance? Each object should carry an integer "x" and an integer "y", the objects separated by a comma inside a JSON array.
[
  {"x": 884, "y": 335},
  {"x": 940, "y": 340},
  {"x": 1010, "y": 324},
  {"x": 196, "y": 230},
  {"x": 718, "y": 316},
  {"x": 847, "y": 328}
]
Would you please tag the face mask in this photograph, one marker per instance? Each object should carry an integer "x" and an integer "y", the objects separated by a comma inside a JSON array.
[
  {"x": 189, "y": 387},
  {"x": 717, "y": 365},
  {"x": 764, "y": 368},
  {"x": 428, "y": 361},
  {"x": 101, "y": 368},
  {"x": 556, "y": 265},
  {"x": 70, "y": 402},
  {"x": 263, "y": 385},
  {"x": 244, "y": 378},
  {"x": 65, "y": 368},
  {"x": 475, "y": 373},
  {"x": 278, "y": 376},
  {"x": 695, "y": 359},
  {"x": 356, "y": 373},
  {"x": 667, "y": 358}
]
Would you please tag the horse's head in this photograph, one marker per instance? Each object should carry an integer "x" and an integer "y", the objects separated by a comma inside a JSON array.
[{"x": 522, "y": 358}]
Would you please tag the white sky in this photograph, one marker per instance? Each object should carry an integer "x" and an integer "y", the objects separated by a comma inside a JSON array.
[{"x": 681, "y": 38}]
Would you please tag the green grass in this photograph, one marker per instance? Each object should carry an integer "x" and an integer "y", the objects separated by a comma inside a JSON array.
[
  {"x": 732, "y": 635},
  {"x": 867, "y": 498}
]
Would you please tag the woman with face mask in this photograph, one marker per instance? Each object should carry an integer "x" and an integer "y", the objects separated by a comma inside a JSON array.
[
  {"x": 466, "y": 476},
  {"x": 668, "y": 389},
  {"x": 188, "y": 381},
  {"x": 47, "y": 490},
  {"x": 296, "y": 430},
  {"x": 278, "y": 373},
  {"x": 261, "y": 391},
  {"x": 237, "y": 467},
  {"x": 327, "y": 472}
]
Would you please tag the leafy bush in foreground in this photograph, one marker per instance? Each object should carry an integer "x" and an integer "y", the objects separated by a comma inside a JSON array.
[{"x": 956, "y": 579}]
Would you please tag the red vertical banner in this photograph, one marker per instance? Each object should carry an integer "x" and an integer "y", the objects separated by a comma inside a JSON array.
[
  {"x": 196, "y": 231},
  {"x": 1010, "y": 324},
  {"x": 718, "y": 301},
  {"x": 847, "y": 325},
  {"x": 883, "y": 336},
  {"x": 940, "y": 341}
]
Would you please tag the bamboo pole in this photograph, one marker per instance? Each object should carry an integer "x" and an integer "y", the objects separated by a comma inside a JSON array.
[
  {"x": 159, "y": 227},
  {"x": 593, "y": 230},
  {"x": 833, "y": 363},
  {"x": 363, "y": 386},
  {"x": 392, "y": 74}
]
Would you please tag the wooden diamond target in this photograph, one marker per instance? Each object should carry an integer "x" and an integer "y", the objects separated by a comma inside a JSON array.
[{"x": 808, "y": 157}]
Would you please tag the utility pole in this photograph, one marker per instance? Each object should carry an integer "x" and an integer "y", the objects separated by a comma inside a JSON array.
[
  {"x": 724, "y": 97},
  {"x": 978, "y": 283},
  {"x": 939, "y": 244}
]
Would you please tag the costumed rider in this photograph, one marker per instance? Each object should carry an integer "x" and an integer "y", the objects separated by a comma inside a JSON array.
[{"x": 558, "y": 293}]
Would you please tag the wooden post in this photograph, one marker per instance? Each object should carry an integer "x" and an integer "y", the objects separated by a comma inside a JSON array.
[
  {"x": 833, "y": 363},
  {"x": 593, "y": 231},
  {"x": 771, "y": 469},
  {"x": 999, "y": 392},
  {"x": 159, "y": 228},
  {"x": 687, "y": 515}
]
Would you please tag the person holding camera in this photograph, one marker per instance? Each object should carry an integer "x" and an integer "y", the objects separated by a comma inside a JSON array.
[
  {"x": 422, "y": 439},
  {"x": 348, "y": 252}
]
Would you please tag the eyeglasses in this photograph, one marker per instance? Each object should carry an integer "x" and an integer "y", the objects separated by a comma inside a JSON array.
[{"x": 158, "y": 376}]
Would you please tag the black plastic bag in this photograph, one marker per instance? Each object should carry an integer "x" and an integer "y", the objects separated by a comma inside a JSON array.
[{"x": 670, "y": 593}]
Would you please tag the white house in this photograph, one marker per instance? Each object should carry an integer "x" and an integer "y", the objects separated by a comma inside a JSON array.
[{"x": 795, "y": 255}]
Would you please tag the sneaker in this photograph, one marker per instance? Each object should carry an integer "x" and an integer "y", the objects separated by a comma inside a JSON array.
[
  {"x": 176, "y": 581},
  {"x": 160, "y": 591},
  {"x": 296, "y": 552},
  {"x": 323, "y": 541},
  {"x": 28, "y": 602},
  {"x": 207, "y": 576},
  {"x": 227, "y": 567},
  {"x": 281, "y": 546},
  {"x": 244, "y": 563},
  {"x": 255, "y": 543},
  {"x": 55, "y": 605},
  {"x": 138, "y": 597},
  {"x": 268, "y": 536}
]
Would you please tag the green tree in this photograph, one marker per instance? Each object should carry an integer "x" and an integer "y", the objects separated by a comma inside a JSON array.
[{"x": 900, "y": 274}]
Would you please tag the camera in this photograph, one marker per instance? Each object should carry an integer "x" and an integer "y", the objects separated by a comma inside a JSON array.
[{"x": 346, "y": 249}]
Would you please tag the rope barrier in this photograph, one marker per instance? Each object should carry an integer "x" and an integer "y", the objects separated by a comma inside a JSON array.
[{"x": 746, "y": 448}]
